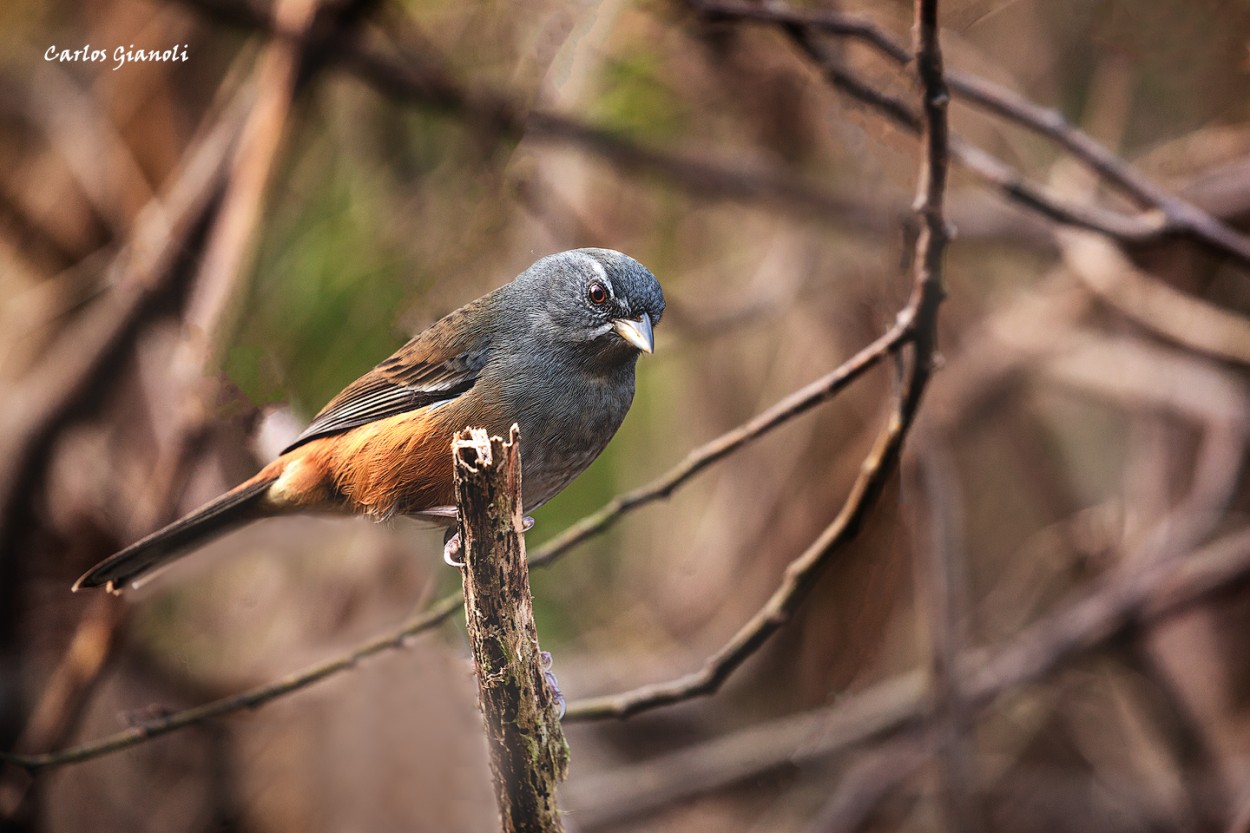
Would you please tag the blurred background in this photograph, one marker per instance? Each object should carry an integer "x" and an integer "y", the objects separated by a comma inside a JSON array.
[{"x": 196, "y": 254}]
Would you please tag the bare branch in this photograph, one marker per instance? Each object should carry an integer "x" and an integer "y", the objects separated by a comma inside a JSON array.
[
  {"x": 1011, "y": 184},
  {"x": 1177, "y": 215},
  {"x": 920, "y": 320},
  {"x": 800, "y": 577},
  {"x": 1185, "y": 319},
  {"x": 899, "y": 706},
  {"x": 943, "y": 587},
  {"x": 418, "y": 77},
  {"x": 797, "y": 403},
  {"x": 147, "y": 730},
  {"x": 696, "y": 461}
]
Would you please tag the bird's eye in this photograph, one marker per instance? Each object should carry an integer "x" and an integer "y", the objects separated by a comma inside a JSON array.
[{"x": 597, "y": 293}]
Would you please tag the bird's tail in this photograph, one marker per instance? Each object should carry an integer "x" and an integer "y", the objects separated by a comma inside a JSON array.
[{"x": 233, "y": 509}]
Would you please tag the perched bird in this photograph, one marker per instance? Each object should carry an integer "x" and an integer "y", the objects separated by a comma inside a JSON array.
[{"x": 553, "y": 351}]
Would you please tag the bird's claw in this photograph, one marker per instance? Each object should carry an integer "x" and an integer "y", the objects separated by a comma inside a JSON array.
[
  {"x": 527, "y": 523},
  {"x": 451, "y": 549},
  {"x": 552, "y": 683}
]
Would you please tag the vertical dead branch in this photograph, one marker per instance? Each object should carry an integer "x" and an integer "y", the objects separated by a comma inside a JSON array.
[
  {"x": 943, "y": 583},
  {"x": 528, "y": 754},
  {"x": 931, "y": 187}
]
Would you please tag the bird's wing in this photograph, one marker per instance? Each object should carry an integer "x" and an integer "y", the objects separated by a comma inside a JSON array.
[{"x": 441, "y": 363}]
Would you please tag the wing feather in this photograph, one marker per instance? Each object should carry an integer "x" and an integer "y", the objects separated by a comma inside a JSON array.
[{"x": 440, "y": 364}]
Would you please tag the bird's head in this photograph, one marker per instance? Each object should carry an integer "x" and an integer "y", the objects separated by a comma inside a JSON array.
[{"x": 597, "y": 298}]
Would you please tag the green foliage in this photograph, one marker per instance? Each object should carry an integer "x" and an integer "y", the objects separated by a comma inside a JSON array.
[
  {"x": 327, "y": 291},
  {"x": 636, "y": 98}
]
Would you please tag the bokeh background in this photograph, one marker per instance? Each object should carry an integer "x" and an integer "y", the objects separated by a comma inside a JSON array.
[{"x": 196, "y": 255}]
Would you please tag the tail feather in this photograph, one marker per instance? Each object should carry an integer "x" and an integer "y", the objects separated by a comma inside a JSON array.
[{"x": 235, "y": 508}]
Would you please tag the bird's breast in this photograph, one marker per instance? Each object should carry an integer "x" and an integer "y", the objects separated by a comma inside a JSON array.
[{"x": 565, "y": 429}]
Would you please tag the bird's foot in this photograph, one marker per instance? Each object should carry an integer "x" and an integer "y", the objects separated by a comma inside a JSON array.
[
  {"x": 451, "y": 548},
  {"x": 552, "y": 683},
  {"x": 527, "y": 523}
]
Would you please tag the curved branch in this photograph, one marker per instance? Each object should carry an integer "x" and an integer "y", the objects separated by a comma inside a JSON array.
[
  {"x": 919, "y": 318},
  {"x": 800, "y": 577},
  {"x": 1175, "y": 214},
  {"x": 799, "y": 402},
  {"x": 419, "y": 77},
  {"x": 898, "y": 706},
  {"x": 696, "y": 461},
  {"x": 252, "y": 699}
]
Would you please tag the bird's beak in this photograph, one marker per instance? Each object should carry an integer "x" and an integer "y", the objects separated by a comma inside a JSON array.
[{"x": 636, "y": 332}]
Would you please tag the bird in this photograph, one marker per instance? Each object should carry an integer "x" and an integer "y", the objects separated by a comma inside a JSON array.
[{"x": 553, "y": 351}]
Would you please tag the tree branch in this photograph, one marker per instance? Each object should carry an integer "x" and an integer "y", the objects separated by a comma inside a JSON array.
[
  {"x": 695, "y": 462},
  {"x": 254, "y": 698},
  {"x": 1176, "y": 215},
  {"x": 920, "y": 314},
  {"x": 528, "y": 753},
  {"x": 698, "y": 459},
  {"x": 1010, "y": 183},
  {"x": 800, "y": 576},
  {"x": 419, "y": 77},
  {"x": 899, "y": 706},
  {"x": 919, "y": 322}
]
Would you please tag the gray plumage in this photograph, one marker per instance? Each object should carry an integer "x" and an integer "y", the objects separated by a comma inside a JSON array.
[{"x": 553, "y": 351}]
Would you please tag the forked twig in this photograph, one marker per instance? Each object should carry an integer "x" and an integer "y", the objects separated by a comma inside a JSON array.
[{"x": 919, "y": 322}]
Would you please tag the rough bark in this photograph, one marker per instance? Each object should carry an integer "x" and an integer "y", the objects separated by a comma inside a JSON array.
[{"x": 528, "y": 753}]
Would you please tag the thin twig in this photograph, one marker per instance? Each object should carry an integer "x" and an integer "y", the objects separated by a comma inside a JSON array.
[
  {"x": 800, "y": 577},
  {"x": 419, "y": 77},
  {"x": 919, "y": 318},
  {"x": 1177, "y": 214},
  {"x": 697, "y": 460},
  {"x": 1180, "y": 215},
  {"x": 439, "y": 612},
  {"x": 899, "y": 705},
  {"x": 1011, "y": 184},
  {"x": 944, "y": 584},
  {"x": 793, "y": 405}
]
